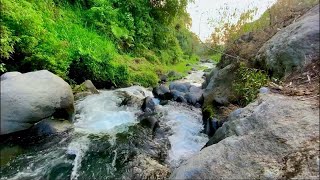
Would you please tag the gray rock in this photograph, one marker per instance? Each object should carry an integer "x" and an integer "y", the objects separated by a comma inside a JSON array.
[
  {"x": 275, "y": 137},
  {"x": 81, "y": 95},
  {"x": 197, "y": 105},
  {"x": 264, "y": 90},
  {"x": 162, "y": 92},
  {"x": 194, "y": 98},
  {"x": 51, "y": 126},
  {"x": 219, "y": 85},
  {"x": 178, "y": 86},
  {"x": 195, "y": 89},
  {"x": 205, "y": 60},
  {"x": 28, "y": 98},
  {"x": 90, "y": 87},
  {"x": 293, "y": 47},
  {"x": 84, "y": 89},
  {"x": 130, "y": 99},
  {"x": 148, "y": 105},
  {"x": 164, "y": 102},
  {"x": 178, "y": 96},
  {"x": 150, "y": 122},
  {"x": 9, "y": 75},
  {"x": 163, "y": 78}
]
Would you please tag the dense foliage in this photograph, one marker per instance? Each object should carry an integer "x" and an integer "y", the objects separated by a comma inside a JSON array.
[{"x": 111, "y": 42}]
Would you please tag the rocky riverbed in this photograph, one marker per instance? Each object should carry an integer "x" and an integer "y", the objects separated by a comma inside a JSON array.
[{"x": 124, "y": 133}]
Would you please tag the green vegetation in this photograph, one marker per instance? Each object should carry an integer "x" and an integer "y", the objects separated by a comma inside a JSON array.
[
  {"x": 243, "y": 39},
  {"x": 247, "y": 83},
  {"x": 208, "y": 112},
  {"x": 216, "y": 57},
  {"x": 111, "y": 42}
]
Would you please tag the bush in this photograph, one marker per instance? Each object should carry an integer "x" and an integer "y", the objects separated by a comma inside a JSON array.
[
  {"x": 81, "y": 39},
  {"x": 85, "y": 66},
  {"x": 247, "y": 83}
]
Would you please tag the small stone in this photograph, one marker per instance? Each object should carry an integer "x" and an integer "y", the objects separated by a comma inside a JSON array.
[{"x": 264, "y": 90}]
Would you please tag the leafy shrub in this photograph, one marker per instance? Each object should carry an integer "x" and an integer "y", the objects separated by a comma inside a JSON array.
[
  {"x": 121, "y": 76},
  {"x": 247, "y": 83},
  {"x": 208, "y": 112},
  {"x": 7, "y": 42},
  {"x": 216, "y": 57}
]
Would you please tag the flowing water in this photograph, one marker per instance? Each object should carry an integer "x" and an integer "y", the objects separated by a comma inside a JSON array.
[
  {"x": 108, "y": 142},
  {"x": 195, "y": 78}
]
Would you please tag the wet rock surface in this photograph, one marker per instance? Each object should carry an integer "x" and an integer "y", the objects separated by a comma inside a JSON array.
[
  {"x": 84, "y": 89},
  {"x": 181, "y": 92},
  {"x": 162, "y": 92}
]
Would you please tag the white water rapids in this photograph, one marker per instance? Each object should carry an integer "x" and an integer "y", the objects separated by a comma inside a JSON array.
[
  {"x": 79, "y": 155},
  {"x": 101, "y": 114}
]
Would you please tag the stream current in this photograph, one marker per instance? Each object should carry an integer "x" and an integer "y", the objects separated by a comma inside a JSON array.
[{"x": 108, "y": 142}]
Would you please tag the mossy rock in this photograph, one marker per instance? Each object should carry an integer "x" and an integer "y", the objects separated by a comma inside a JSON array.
[{"x": 86, "y": 86}]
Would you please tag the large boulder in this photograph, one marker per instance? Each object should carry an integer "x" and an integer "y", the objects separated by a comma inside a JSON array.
[
  {"x": 9, "y": 75},
  {"x": 218, "y": 85},
  {"x": 30, "y": 97},
  {"x": 276, "y": 137},
  {"x": 293, "y": 47}
]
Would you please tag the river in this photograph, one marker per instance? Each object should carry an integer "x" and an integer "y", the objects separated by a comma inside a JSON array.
[{"x": 107, "y": 140}]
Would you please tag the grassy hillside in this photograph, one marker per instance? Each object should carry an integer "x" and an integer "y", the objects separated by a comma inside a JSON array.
[{"x": 111, "y": 42}]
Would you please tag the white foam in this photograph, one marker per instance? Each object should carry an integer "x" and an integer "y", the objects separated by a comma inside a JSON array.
[
  {"x": 101, "y": 113},
  {"x": 186, "y": 125},
  {"x": 196, "y": 77},
  {"x": 78, "y": 147}
]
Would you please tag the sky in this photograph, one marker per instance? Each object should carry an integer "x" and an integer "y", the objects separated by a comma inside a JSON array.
[{"x": 201, "y": 11}]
